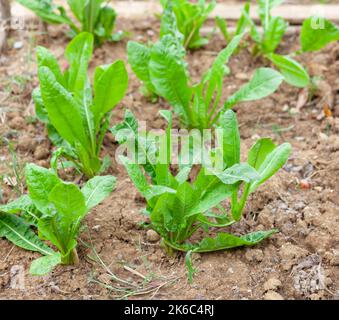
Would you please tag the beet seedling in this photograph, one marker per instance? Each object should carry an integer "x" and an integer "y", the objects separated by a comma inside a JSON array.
[
  {"x": 139, "y": 55},
  {"x": 77, "y": 121},
  {"x": 190, "y": 18},
  {"x": 94, "y": 16},
  {"x": 163, "y": 70},
  {"x": 199, "y": 105},
  {"x": 178, "y": 208},
  {"x": 56, "y": 209},
  {"x": 316, "y": 33}
]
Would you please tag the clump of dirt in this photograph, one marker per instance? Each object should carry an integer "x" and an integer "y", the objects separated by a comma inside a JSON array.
[{"x": 119, "y": 258}]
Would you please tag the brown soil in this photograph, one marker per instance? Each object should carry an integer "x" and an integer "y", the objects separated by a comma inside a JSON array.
[{"x": 300, "y": 262}]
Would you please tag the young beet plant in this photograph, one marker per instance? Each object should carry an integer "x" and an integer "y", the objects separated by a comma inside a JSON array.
[
  {"x": 162, "y": 68},
  {"x": 139, "y": 54},
  {"x": 56, "y": 209},
  {"x": 179, "y": 208},
  {"x": 77, "y": 121},
  {"x": 190, "y": 18},
  {"x": 94, "y": 16},
  {"x": 316, "y": 33}
]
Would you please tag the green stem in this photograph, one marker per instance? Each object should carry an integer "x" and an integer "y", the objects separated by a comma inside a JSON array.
[
  {"x": 71, "y": 258},
  {"x": 240, "y": 206},
  {"x": 189, "y": 38}
]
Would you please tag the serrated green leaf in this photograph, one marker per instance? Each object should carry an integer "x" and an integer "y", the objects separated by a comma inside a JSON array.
[
  {"x": 21, "y": 204},
  {"x": 45, "y": 265},
  {"x": 230, "y": 138},
  {"x": 168, "y": 75},
  {"x": 97, "y": 189},
  {"x": 40, "y": 183},
  {"x": 45, "y": 10},
  {"x": 19, "y": 233},
  {"x": 227, "y": 241},
  {"x": 238, "y": 172},
  {"x": 46, "y": 59},
  {"x": 139, "y": 56},
  {"x": 69, "y": 202}
]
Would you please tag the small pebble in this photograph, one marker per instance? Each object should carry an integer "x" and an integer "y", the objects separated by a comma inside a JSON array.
[
  {"x": 152, "y": 236},
  {"x": 41, "y": 152},
  {"x": 272, "y": 295},
  {"x": 254, "y": 255},
  {"x": 272, "y": 284},
  {"x": 17, "y": 123},
  {"x": 18, "y": 45}
]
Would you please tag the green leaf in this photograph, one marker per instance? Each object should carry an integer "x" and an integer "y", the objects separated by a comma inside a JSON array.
[
  {"x": 222, "y": 25},
  {"x": 19, "y": 233},
  {"x": 221, "y": 221},
  {"x": 216, "y": 74},
  {"x": 244, "y": 19},
  {"x": 45, "y": 265},
  {"x": 109, "y": 89},
  {"x": 183, "y": 174},
  {"x": 169, "y": 24},
  {"x": 78, "y": 54},
  {"x": 190, "y": 18},
  {"x": 230, "y": 138},
  {"x": 264, "y": 10},
  {"x": 161, "y": 214},
  {"x": 124, "y": 130},
  {"x": 155, "y": 191},
  {"x": 185, "y": 201},
  {"x": 45, "y": 10},
  {"x": 105, "y": 24},
  {"x": 77, "y": 7},
  {"x": 21, "y": 204},
  {"x": 227, "y": 241},
  {"x": 69, "y": 202},
  {"x": 238, "y": 172},
  {"x": 168, "y": 75},
  {"x": 139, "y": 57},
  {"x": 211, "y": 197},
  {"x": 272, "y": 163},
  {"x": 273, "y": 34},
  {"x": 97, "y": 189},
  {"x": 190, "y": 269},
  {"x": 63, "y": 111},
  {"x": 40, "y": 109},
  {"x": 293, "y": 72},
  {"x": 317, "y": 32},
  {"x": 264, "y": 82},
  {"x": 46, "y": 59},
  {"x": 91, "y": 14},
  {"x": 259, "y": 152},
  {"x": 136, "y": 175},
  {"x": 40, "y": 182}
]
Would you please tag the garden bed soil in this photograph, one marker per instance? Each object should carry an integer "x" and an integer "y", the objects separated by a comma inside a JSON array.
[{"x": 302, "y": 201}]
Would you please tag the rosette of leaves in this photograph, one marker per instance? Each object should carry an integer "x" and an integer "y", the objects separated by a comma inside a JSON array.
[
  {"x": 94, "y": 16},
  {"x": 190, "y": 18},
  {"x": 162, "y": 68},
  {"x": 178, "y": 207},
  {"x": 316, "y": 33},
  {"x": 56, "y": 210},
  {"x": 76, "y": 118}
]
